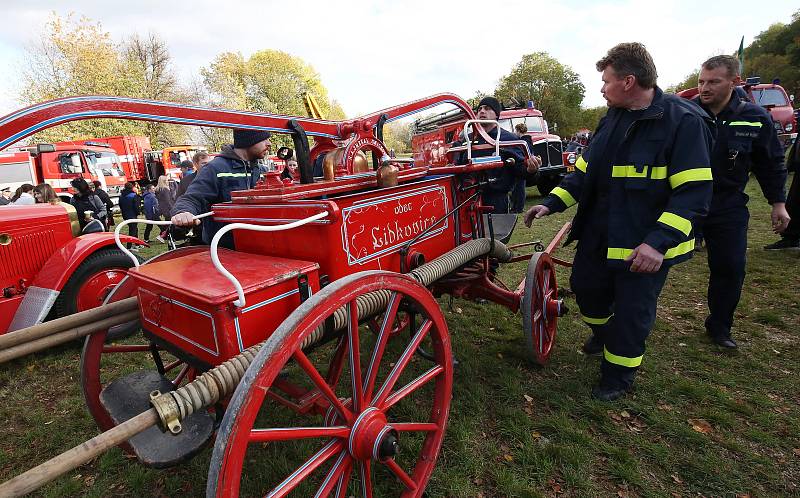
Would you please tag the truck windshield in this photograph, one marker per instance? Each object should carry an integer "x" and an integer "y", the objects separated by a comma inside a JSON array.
[
  {"x": 769, "y": 96},
  {"x": 534, "y": 124},
  {"x": 177, "y": 157},
  {"x": 107, "y": 162}
]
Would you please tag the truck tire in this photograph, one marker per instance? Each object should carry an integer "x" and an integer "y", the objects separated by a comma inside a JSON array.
[
  {"x": 547, "y": 183},
  {"x": 92, "y": 281}
]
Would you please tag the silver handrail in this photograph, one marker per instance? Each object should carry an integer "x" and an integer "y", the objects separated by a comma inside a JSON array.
[{"x": 240, "y": 302}]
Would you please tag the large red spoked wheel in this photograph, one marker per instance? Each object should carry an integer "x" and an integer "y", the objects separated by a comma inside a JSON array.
[
  {"x": 540, "y": 308},
  {"x": 375, "y": 397},
  {"x": 92, "y": 281},
  {"x": 110, "y": 354}
]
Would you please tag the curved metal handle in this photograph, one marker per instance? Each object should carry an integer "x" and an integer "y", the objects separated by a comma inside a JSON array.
[
  {"x": 258, "y": 228},
  {"x": 485, "y": 121},
  {"x": 145, "y": 222}
]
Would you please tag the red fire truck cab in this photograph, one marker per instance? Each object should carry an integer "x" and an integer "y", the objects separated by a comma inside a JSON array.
[
  {"x": 48, "y": 269},
  {"x": 58, "y": 164},
  {"x": 432, "y": 136}
]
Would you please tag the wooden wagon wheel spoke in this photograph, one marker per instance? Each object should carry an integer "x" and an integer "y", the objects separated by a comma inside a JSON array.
[
  {"x": 365, "y": 471},
  {"x": 322, "y": 385},
  {"x": 310, "y": 465},
  {"x": 126, "y": 348},
  {"x": 414, "y": 426},
  {"x": 412, "y": 386},
  {"x": 292, "y": 433},
  {"x": 540, "y": 308},
  {"x": 344, "y": 479},
  {"x": 185, "y": 371},
  {"x": 332, "y": 479},
  {"x": 401, "y": 364},
  {"x": 407, "y": 481},
  {"x": 380, "y": 345},
  {"x": 355, "y": 356}
]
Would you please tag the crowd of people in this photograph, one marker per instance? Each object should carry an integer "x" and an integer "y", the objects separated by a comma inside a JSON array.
[{"x": 95, "y": 208}]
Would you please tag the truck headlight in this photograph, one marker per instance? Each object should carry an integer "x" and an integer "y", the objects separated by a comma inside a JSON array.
[
  {"x": 572, "y": 159},
  {"x": 789, "y": 127}
]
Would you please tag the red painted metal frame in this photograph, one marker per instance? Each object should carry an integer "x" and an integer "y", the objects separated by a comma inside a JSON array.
[{"x": 62, "y": 263}]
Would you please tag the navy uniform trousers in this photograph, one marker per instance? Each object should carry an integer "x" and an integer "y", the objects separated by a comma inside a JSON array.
[
  {"x": 725, "y": 234},
  {"x": 618, "y": 305}
]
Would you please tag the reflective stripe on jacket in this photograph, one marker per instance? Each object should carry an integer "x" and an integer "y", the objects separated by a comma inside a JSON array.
[
  {"x": 213, "y": 184},
  {"x": 660, "y": 180}
]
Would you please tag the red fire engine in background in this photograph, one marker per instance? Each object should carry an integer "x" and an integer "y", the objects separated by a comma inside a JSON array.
[
  {"x": 773, "y": 98},
  {"x": 58, "y": 164},
  {"x": 48, "y": 269},
  {"x": 432, "y": 136},
  {"x": 143, "y": 164}
]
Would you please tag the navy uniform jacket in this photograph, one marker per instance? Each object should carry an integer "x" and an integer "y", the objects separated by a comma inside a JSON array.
[
  {"x": 746, "y": 140},
  {"x": 129, "y": 204},
  {"x": 660, "y": 180},
  {"x": 213, "y": 184},
  {"x": 503, "y": 177}
]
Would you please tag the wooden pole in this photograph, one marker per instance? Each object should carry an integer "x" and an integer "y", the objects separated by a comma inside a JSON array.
[
  {"x": 68, "y": 322},
  {"x": 67, "y": 335},
  {"x": 42, "y": 474}
]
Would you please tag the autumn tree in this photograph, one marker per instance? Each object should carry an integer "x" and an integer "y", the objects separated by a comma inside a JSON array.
[
  {"x": 589, "y": 118},
  {"x": 268, "y": 81},
  {"x": 397, "y": 137},
  {"x": 148, "y": 73},
  {"x": 555, "y": 89},
  {"x": 690, "y": 81},
  {"x": 75, "y": 56}
]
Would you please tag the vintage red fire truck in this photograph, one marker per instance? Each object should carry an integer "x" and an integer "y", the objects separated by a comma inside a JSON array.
[
  {"x": 432, "y": 136},
  {"x": 144, "y": 165},
  {"x": 58, "y": 164},
  {"x": 773, "y": 98},
  {"x": 48, "y": 269},
  {"x": 312, "y": 353}
]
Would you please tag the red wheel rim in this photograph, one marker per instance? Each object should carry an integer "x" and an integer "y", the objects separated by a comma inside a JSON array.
[
  {"x": 540, "y": 307},
  {"x": 97, "y": 286},
  {"x": 355, "y": 442},
  {"x": 101, "y": 362}
]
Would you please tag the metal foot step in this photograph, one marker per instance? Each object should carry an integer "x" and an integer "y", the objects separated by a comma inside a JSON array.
[
  {"x": 129, "y": 396},
  {"x": 503, "y": 225}
]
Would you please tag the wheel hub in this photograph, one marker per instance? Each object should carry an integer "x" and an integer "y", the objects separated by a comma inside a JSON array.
[{"x": 372, "y": 438}]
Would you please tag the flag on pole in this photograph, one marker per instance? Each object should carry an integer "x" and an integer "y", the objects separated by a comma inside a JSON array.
[{"x": 741, "y": 56}]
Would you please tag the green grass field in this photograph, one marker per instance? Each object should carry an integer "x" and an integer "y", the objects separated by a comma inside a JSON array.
[{"x": 700, "y": 422}]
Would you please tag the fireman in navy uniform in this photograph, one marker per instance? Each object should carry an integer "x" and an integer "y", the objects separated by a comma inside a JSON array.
[
  {"x": 236, "y": 168},
  {"x": 502, "y": 180},
  {"x": 639, "y": 186},
  {"x": 745, "y": 140}
]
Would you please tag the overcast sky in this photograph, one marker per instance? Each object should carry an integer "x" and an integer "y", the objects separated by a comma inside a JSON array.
[{"x": 372, "y": 55}]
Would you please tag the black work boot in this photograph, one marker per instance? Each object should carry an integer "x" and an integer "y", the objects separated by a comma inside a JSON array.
[
  {"x": 593, "y": 345},
  {"x": 614, "y": 382},
  {"x": 785, "y": 243},
  {"x": 722, "y": 341},
  {"x": 602, "y": 392}
]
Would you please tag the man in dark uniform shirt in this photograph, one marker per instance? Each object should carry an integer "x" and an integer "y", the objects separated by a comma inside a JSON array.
[
  {"x": 502, "y": 180},
  {"x": 746, "y": 141}
]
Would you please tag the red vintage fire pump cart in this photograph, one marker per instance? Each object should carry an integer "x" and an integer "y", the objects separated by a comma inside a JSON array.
[{"x": 317, "y": 349}]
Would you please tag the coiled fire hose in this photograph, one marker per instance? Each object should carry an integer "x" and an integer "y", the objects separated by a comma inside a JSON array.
[{"x": 219, "y": 382}]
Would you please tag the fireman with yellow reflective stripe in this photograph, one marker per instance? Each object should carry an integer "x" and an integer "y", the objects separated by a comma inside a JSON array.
[
  {"x": 746, "y": 141},
  {"x": 236, "y": 168},
  {"x": 639, "y": 187}
]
